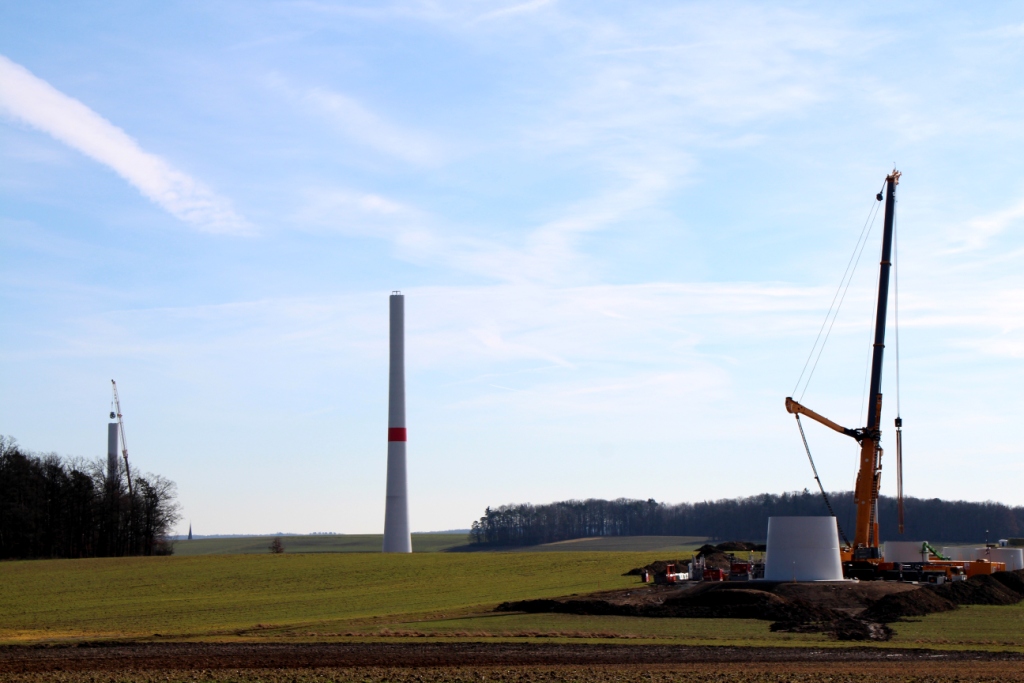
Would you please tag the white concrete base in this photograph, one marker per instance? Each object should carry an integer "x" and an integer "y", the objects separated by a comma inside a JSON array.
[{"x": 803, "y": 549}]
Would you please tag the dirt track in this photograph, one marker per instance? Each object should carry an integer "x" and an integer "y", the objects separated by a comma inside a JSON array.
[{"x": 178, "y": 656}]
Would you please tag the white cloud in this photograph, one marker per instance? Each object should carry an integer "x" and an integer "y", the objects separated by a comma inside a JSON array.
[
  {"x": 513, "y": 10},
  {"x": 355, "y": 213},
  {"x": 981, "y": 230},
  {"x": 360, "y": 124},
  {"x": 26, "y": 98},
  {"x": 365, "y": 127}
]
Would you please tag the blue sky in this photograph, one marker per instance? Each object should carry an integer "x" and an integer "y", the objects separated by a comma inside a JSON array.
[{"x": 618, "y": 228}]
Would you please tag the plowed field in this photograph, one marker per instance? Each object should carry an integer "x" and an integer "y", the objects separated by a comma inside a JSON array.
[{"x": 428, "y": 662}]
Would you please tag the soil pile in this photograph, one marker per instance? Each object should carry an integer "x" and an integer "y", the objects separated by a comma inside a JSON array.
[
  {"x": 1001, "y": 588},
  {"x": 714, "y": 558},
  {"x": 847, "y": 597},
  {"x": 910, "y": 604},
  {"x": 981, "y": 590},
  {"x": 714, "y": 600},
  {"x": 739, "y": 546},
  {"x": 727, "y": 604},
  {"x": 1012, "y": 580},
  {"x": 840, "y": 629},
  {"x": 846, "y": 610}
]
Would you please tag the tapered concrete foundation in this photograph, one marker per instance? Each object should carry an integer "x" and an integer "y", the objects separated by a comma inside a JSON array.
[
  {"x": 803, "y": 549},
  {"x": 397, "y": 538},
  {"x": 113, "y": 466}
]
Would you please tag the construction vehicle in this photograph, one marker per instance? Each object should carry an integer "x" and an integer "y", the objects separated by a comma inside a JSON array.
[
  {"x": 714, "y": 574},
  {"x": 740, "y": 570},
  {"x": 673, "y": 574},
  {"x": 861, "y": 557},
  {"x": 863, "y": 553},
  {"x": 745, "y": 570}
]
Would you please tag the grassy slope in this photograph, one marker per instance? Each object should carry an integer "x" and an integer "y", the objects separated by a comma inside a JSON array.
[
  {"x": 426, "y": 543},
  {"x": 665, "y": 545},
  {"x": 369, "y": 543},
  {"x": 443, "y": 595},
  {"x": 222, "y": 594},
  {"x": 983, "y": 626}
]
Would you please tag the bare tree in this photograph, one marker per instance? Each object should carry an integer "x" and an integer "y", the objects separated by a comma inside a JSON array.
[
  {"x": 66, "y": 507},
  {"x": 276, "y": 546}
]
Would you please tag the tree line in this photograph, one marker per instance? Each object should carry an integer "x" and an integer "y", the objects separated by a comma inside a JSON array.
[
  {"x": 56, "y": 507},
  {"x": 739, "y": 519}
]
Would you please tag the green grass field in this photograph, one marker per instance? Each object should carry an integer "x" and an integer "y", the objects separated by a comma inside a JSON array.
[
  {"x": 665, "y": 545},
  {"x": 427, "y": 543},
  {"x": 368, "y": 543},
  {"x": 339, "y": 596}
]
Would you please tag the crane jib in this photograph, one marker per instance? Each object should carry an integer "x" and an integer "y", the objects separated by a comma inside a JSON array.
[{"x": 878, "y": 350}]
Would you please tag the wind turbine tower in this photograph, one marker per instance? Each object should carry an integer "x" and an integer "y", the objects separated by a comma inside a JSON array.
[
  {"x": 113, "y": 467},
  {"x": 396, "y": 510}
]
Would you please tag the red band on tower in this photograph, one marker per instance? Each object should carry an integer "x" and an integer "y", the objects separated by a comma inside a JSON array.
[{"x": 396, "y": 434}]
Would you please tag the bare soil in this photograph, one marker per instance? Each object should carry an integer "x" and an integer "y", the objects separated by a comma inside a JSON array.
[
  {"x": 770, "y": 672},
  {"x": 208, "y": 656},
  {"x": 713, "y": 599},
  {"x": 845, "y": 610}
]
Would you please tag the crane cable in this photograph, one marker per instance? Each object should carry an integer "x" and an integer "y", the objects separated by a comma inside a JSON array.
[
  {"x": 899, "y": 418},
  {"x": 833, "y": 313},
  {"x": 858, "y": 251},
  {"x": 814, "y": 469}
]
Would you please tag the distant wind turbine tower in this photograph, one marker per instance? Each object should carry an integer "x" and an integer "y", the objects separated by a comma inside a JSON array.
[
  {"x": 113, "y": 467},
  {"x": 396, "y": 510}
]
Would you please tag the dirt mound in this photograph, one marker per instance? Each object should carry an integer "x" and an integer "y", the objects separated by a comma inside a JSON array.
[
  {"x": 739, "y": 546},
  {"x": 840, "y": 629},
  {"x": 726, "y": 597},
  {"x": 1012, "y": 580},
  {"x": 725, "y": 604},
  {"x": 714, "y": 558},
  {"x": 845, "y": 611},
  {"x": 858, "y": 629},
  {"x": 979, "y": 590},
  {"x": 915, "y": 603},
  {"x": 850, "y": 597},
  {"x": 708, "y": 601},
  {"x": 1001, "y": 588}
]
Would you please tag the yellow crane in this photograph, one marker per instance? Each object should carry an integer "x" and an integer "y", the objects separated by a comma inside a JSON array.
[{"x": 865, "y": 539}]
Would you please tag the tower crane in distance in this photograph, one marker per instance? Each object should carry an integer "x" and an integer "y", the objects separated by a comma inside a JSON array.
[{"x": 124, "y": 443}]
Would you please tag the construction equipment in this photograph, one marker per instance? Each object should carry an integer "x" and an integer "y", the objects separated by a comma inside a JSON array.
[
  {"x": 124, "y": 443},
  {"x": 673, "y": 574},
  {"x": 865, "y": 539},
  {"x": 714, "y": 574}
]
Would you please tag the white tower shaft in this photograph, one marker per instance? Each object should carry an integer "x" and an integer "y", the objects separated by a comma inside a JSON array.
[{"x": 397, "y": 538}]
